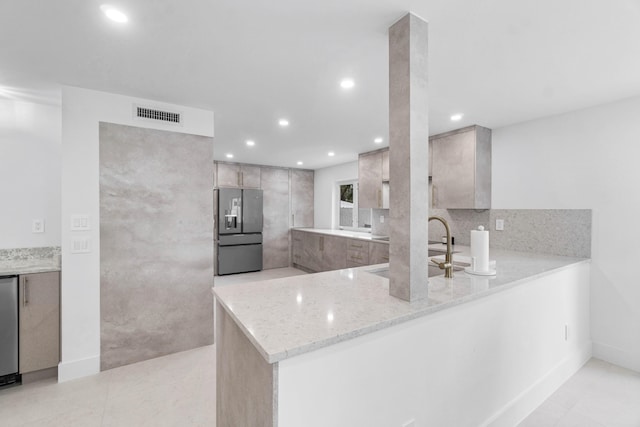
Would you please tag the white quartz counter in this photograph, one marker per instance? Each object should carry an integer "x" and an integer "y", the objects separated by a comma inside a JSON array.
[
  {"x": 10, "y": 268},
  {"x": 290, "y": 316},
  {"x": 363, "y": 235}
]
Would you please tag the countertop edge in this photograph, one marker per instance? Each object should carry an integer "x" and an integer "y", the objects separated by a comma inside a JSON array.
[{"x": 306, "y": 348}]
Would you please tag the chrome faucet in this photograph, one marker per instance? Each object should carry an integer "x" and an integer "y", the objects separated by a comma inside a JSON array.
[{"x": 447, "y": 265}]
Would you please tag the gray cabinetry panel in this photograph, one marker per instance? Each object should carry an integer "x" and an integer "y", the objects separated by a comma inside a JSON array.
[
  {"x": 378, "y": 253},
  {"x": 228, "y": 175},
  {"x": 461, "y": 176},
  {"x": 370, "y": 180},
  {"x": 250, "y": 176},
  {"x": 275, "y": 186},
  {"x": 302, "y": 183},
  {"x": 39, "y": 302}
]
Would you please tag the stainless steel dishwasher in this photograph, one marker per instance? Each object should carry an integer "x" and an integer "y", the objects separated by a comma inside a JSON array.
[{"x": 9, "y": 330}]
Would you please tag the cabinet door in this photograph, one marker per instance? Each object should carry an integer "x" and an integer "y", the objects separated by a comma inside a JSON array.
[
  {"x": 228, "y": 175},
  {"x": 378, "y": 253},
  {"x": 454, "y": 171},
  {"x": 370, "y": 180},
  {"x": 385, "y": 165},
  {"x": 297, "y": 247},
  {"x": 334, "y": 253},
  {"x": 250, "y": 176},
  {"x": 39, "y": 321},
  {"x": 357, "y": 253},
  {"x": 275, "y": 205},
  {"x": 312, "y": 253},
  {"x": 302, "y": 198}
]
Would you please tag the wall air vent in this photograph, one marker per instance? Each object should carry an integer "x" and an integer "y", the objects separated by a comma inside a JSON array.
[{"x": 155, "y": 114}]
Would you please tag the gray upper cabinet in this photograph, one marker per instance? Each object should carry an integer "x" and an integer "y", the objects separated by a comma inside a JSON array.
[
  {"x": 370, "y": 180},
  {"x": 461, "y": 176},
  {"x": 250, "y": 176},
  {"x": 385, "y": 165},
  {"x": 302, "y": 198},
  {"x": 237, "y": 175}
]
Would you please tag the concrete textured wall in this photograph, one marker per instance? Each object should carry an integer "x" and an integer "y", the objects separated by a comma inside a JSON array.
[{"x": 156, "y": 243}]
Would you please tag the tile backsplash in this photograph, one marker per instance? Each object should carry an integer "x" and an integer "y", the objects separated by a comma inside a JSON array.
[{"x": 565, "y": 232}]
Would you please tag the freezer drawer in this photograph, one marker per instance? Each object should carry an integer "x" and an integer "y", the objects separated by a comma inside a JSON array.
[
  {"x": 8, "y": 325},
  {"x": 239, "y": 239},
  {"x": 239, "y": 259}
]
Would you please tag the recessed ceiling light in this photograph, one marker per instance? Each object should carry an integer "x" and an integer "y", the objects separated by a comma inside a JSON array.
[
  {"x": 378, "y": 140},
  {"x": 456, "y": 117},
  {"x": 331, "y": 154},
  {"x": 347, "y": 83},
  {"x": 114, "y": 14},
  {"x": 229, "y": 156},
  {"x": 300, "y": 163},
  {"x": 283, "y": 122},
  {"x": 251, "y": 143}
]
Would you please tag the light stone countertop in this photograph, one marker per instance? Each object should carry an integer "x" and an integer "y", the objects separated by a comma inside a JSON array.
[
  {"x": 295, "y": 315},
  {"x": 363, "y": 235},
  {"x": 10, "y": 268}
]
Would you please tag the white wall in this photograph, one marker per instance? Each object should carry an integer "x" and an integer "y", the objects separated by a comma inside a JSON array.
[
  {"x": 82, "y": 110},
  {"x": 29, "y": 173},
  {"x": 325, "y": 180},
  {"x": 586, "y": 159},
  {"x": 487, "y": 362}
]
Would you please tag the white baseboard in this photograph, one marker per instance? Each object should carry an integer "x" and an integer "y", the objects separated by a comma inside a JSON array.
[
  {"x": 532, "y": 397},
  {"x": 73, "y": 369},
  {"x": 617, "y": 356}
]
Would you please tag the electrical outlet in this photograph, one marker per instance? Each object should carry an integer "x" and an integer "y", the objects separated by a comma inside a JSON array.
[
  {"x": 410, "y": 423},
  {"x": 37, "y": 226},
  {"x": 80, "y": 245},
  {"x": 500, "y": 224},
  {"x": 381, "y": 219}
]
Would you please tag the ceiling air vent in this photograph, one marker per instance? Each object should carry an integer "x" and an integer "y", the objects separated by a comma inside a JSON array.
[{"x": 153, "y": 114}]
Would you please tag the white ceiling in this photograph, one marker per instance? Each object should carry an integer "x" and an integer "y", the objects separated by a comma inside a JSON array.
[{"x": 497, "y": 61}]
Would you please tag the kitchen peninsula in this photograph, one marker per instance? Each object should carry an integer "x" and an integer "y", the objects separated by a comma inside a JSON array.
[{"x": 335, "y": 348}]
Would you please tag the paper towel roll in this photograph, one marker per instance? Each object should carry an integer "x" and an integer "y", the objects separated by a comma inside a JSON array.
[{"x": 480, "y": 250}]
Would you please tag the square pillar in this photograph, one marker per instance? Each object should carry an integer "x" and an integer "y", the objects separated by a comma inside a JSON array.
[{"x": 408, "y": 159}]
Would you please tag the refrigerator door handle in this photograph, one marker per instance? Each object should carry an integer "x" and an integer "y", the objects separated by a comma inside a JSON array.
[{"x": 25, "y": 299}]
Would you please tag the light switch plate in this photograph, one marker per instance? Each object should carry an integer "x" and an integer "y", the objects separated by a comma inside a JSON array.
[
  {"x": 381, "y": 219},
  {"x": 80, "y": 222},
  {"x": 81, "y": 245},
  {"x": 37, "y": 226},
  {"x": 499, "y": 224}
]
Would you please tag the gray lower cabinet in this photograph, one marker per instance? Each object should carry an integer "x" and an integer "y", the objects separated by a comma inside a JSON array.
[
  {"x": 317, "y": 252},
  {"x": 461, "y": 176},
  {"x": 357, "y": 253},
  {"x": 378, "y": 253},
  {"x": 39, "y": 321}
]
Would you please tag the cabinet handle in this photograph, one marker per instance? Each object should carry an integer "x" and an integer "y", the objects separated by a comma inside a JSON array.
[
  {"x": 25, "y": 300},
  {"x": 238, "y": 178},
  {"x": 293, "y": 220},
  {"x": 356, "y": 246},
  {"x": 379, "y": 198},
  {"x": 433, "y": 195}
]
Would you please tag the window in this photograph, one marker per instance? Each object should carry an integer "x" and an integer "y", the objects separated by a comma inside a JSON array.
[
  {"x": 348, "y": 199},
  {"x": 349, "y": 215}
]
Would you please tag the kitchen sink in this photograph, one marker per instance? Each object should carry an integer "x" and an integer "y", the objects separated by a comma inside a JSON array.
[{"x": 434, "y": 271}]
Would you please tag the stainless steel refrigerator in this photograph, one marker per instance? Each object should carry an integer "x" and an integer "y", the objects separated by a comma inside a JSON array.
[
  {"x": 238, "y": 231},
  {"x": 8, "y": 330}
]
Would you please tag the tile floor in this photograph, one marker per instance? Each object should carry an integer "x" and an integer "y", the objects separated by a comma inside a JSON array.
[
  {"x": 179, "y": 390},
  {"x": 600, "y": 394}
]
